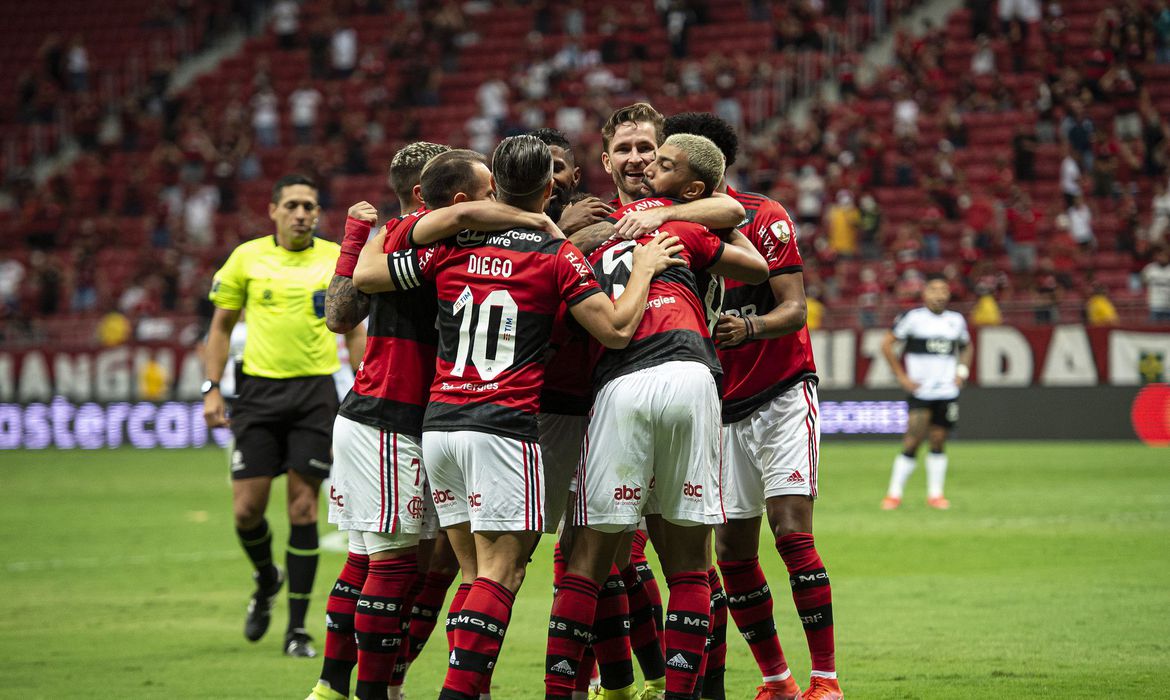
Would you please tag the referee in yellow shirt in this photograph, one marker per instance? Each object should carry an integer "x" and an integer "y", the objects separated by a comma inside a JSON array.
[{"x": 282, "y": 420}]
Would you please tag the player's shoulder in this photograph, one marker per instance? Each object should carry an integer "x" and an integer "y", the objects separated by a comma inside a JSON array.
[
  {"x": 258, "y": 245},
  {"x": 518, "y": 240},
  {"x": 754, "y": 201},
  {"x": 955, "y": 317}
]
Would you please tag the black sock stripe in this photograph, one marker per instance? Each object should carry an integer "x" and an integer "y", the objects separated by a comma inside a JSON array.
[
  {"x": 816, "y": 618},
  {"x": 812, "y": 578}
]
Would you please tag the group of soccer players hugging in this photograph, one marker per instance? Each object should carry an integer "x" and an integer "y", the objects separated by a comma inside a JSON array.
[{"x": 642, "y": 371}]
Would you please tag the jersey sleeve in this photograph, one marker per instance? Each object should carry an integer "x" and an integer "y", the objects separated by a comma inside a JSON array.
[
  {"x": 574, "y": 276},
  {"x": 901, "y": 327},
  {"x": 704, "y": 247},
  {"x": 964, "y": 333},
  {"x": 410, "y": 267},
  {"x": 777, "y": 241},
  {"x": 229, "y": 287}
]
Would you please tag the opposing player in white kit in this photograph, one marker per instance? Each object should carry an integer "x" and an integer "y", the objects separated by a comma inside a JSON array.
[{"x": 938, "y": 354}]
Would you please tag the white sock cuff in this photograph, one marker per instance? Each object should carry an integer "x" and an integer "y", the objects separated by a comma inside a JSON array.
[{"x": 831, "y": 675}]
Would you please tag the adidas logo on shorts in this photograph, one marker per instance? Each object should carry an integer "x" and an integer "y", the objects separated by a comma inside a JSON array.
[
  {"x": 679, "y": 661},
  {"x": 795, "y": 478}
]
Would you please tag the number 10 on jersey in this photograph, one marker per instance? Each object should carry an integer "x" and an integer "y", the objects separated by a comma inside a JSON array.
[{"x": 487, "y": 332}]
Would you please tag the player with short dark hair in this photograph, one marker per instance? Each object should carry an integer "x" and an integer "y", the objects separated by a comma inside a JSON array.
[
  {"x": 937, "y": 357},
  {"x": 571, "y": 210},
  {"x": 770, "y": 443},
  {"x": 651, "y": 448},
  {"x": 282, "y": 418},
  {"x": 498, "y": 292}
]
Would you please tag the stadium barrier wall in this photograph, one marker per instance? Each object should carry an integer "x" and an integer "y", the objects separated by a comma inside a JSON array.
[{"x": 1057, "y": 382}]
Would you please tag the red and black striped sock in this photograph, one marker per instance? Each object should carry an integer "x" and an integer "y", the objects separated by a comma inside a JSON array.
[
  {"x": 378, "y": 622},
  {"x": 716, "y": 666},
  {"x": 611, "y": 633},
  {"x": 813, "y": 597},
  {"x": 479, "y": 634},
  {"x": 456, "y": 605},
  {"x": 585, "y": 670},
  {"x": 424, "y": 614},
  {"x": 649, "y": 584},
  {"x": 749, "y": 600},
  {"x": 569, "y": 630},
  {"x": 340, "y": 647},
  {"x": 644, "y": 636},
  {"x": 688, "y": 621},
  {"x": 404, "y": 653}
]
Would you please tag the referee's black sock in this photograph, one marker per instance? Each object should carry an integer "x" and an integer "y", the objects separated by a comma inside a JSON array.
[
  {"x": 301, "y": 560},
  {"x": 257, "y": 544}
]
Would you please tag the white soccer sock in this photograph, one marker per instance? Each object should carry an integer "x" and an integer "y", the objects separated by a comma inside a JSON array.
[
  {"x": 936, "y": 473},
  {"x": 903, "y": 468}
]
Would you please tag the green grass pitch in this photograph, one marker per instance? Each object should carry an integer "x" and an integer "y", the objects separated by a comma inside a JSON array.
[{"x": 1048, "y": 579}]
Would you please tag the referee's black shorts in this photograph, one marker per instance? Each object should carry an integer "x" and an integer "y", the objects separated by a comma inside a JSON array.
[
  {"x": 943, "y": 413},
  {"x": 283, "y": 424}
]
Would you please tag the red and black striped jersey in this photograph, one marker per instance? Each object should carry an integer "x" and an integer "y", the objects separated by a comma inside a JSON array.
[
  {"x": 498, "y": 293},
  {"x": 391, "y": 387},
  {"x": 674, "y": 326},
  {"x": 758, "y": 371},
  {"x": 568, "y": 390}
]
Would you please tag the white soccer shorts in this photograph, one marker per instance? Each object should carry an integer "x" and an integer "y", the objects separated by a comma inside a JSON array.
[
  {"x": 652, "y": 448},
  {"x": 496, "y": 483},
  {"x": 773, "y": 452},
  {"x": 561, "y": 438},
  {"x": 378, "y": 483}
]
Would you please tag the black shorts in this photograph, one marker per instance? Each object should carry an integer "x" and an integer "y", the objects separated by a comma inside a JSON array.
[
  {"x": 943, "y": 413},
  {"x": 283, "y": 424}
]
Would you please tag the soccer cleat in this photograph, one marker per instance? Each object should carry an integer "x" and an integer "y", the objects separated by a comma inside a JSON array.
[
  {"x": 299, "y": 644},
  {"x": 823, "y": 689},
  {"x": 891, "y": 503},
  {"x": 324, "y": 692},
  {"x": 260, "y": 607},
  {"x": 786, "y": 689},
  {"x": 938, "y": 503},
  {"x": 654, "y": 690}
]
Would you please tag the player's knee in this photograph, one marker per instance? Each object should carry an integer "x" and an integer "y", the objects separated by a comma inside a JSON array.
[
  {"x": 732, "y": 548},
  {"x": 247, "y": 514},
  {"x": 302, "y": 511}
]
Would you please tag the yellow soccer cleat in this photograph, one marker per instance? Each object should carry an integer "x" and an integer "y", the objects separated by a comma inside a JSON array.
[{"x": 324, "y": 692}]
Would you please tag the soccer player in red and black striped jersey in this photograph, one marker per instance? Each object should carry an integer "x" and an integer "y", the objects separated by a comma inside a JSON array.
[
  {"x": 652, "y": 443},
  {"x": 771, "y": 441},
  {"x": 498, "y": 292},
  {"x": 378, "y": 493}
]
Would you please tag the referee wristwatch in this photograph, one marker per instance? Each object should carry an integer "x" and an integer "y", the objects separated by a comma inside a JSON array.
[{"x": 207, "y": 386}]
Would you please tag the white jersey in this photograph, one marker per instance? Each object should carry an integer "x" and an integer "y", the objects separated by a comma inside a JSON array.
[
  {"x": 933, "y": 342},
  {"x": 342, "y": 378}
]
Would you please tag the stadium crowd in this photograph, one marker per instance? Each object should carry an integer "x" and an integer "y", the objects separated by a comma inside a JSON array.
[{"x": 1023, "y": 155}]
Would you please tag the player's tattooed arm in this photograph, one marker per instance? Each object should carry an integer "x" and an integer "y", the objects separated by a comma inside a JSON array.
[
  {"x": 345, "y": 306},
  {"x": 719, "y": 211},
  {"x": 371, "y": 274},
  {"x": 788, "y": 316},
  {"x": 589, "y": 238}
]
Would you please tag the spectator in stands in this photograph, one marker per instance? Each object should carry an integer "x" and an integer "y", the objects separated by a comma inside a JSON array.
[
  {"x": 1126, "y": 95},
  {"x": 986, "y": 311},
  {"x": 1156, "y": 278},
  {"x": 678, "y": 17},
  {"x": 1046, "y": 293},
  {"x": 905, "y": 114},
  {"x": 45, "y": 277},
  {"x": 1162, "y": 32},
  {"x": 1077, "y": 129},
  {"x": 1024, "y": 145},
  {"x": 810, "y": 196},
  {"x": 1080, "y": 224},
  {"x": 266, "y": 117},
  {"x": 842, "y": 224},
  {"x": 199, "y": 204},
  {"x": 983, "y": 60},
  {"x": 1099, "y": 308},
  {"x": 343, "y": 51},
  {"x": 573, "y": 18},
  {"x": 303, "y": 104},
  {"x": 11, "y": 277},
  {"x": 869, "y": 295},
  {"x": 1023, "y": 232},
  {"x": 286, "y": 23},
  {"x": 492, "y": 98},
  {"x": 870, "y": 224},
  {"x": 1155, "y": 142},
  {"x": 1070, "y": 175},
  {"x": 77, "y": 65},
  {"x": 1160, "y": 217}
]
